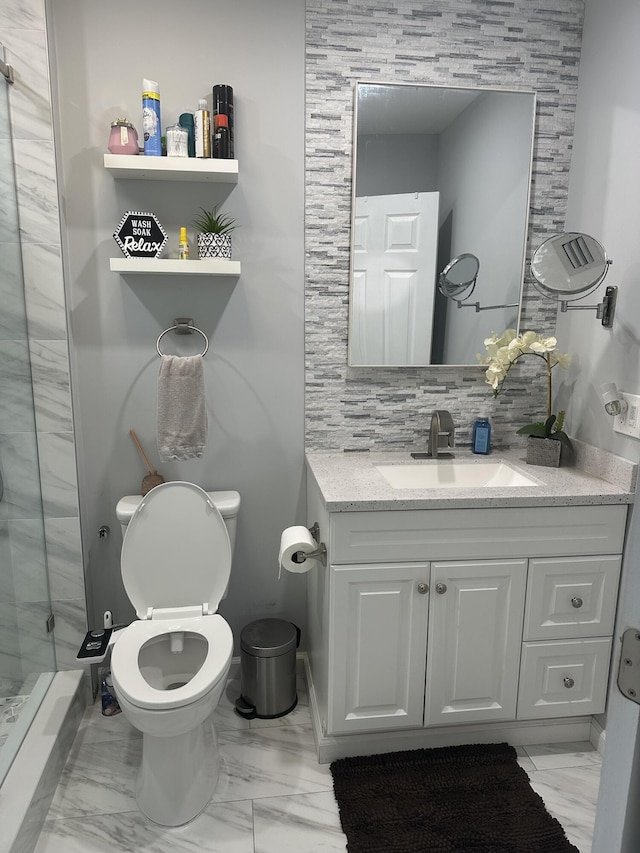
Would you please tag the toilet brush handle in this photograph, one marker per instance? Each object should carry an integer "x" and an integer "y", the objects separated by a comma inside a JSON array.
[{"x": 142, "y": 453}]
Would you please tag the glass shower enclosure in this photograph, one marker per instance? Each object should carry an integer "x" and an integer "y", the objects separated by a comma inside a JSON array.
[{"x": 27, "y": 655}]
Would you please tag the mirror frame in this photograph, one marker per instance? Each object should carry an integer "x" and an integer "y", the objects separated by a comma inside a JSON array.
[{"x": 527, "y": 213}]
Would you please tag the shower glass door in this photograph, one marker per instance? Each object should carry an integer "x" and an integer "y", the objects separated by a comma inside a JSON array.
[{"x": 27, "y": 656}]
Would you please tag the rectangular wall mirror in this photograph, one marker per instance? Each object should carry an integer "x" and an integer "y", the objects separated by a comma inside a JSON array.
[{"x": 437, "y": 173}]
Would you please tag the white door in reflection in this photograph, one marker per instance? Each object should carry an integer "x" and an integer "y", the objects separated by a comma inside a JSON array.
[{"x": 394, "y": 273}]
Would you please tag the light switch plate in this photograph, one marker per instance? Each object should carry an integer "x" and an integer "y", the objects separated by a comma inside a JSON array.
[{"x": 629, "y": 669}]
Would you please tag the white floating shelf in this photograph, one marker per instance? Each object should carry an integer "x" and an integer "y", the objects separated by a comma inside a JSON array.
[
  {"x": 172, "y": 266},
  {"x": 143, "y": 168}
]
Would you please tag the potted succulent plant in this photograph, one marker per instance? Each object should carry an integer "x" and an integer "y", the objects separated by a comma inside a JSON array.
[
  {"x": 214, "y": 233},
  {"x": 546, "y": 438}
]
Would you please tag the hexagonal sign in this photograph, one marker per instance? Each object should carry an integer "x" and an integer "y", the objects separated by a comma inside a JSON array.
[{"x": 140, "y": 235}]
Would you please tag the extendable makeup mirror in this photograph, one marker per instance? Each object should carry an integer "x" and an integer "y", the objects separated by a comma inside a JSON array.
[
  {"x": 458, "y": 277},
  {"x": 567, "y": 267}
]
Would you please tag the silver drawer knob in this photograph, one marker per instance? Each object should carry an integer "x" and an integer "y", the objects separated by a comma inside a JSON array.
[
  {"x": 576, "y": 602},
  {"x": 441, "y": 588},
  {"x": 568, "y": 681},
  {"x": 423, "y": 588}
]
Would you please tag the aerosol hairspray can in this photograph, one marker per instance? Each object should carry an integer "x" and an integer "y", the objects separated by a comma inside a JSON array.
[
  {"x": 151, "y": 124},
  {"x": 223, "y": 105}
]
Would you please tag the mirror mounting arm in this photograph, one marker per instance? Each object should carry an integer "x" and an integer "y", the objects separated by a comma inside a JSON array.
[
  {"x": 479, "y": 307},
  {"x": 604, "y": 310}
]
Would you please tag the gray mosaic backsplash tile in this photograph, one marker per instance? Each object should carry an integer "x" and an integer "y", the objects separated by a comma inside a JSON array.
[{"x": 517, "y": 44}]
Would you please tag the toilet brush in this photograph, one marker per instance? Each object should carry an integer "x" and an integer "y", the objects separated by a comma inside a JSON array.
[{"x": 152, "y": 479}]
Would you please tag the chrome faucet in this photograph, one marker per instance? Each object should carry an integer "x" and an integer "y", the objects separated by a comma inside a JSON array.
[{"x": 441, "y": 426}]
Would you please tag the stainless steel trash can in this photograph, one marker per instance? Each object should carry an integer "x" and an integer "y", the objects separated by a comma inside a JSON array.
[{"x": 268, "y": 668}]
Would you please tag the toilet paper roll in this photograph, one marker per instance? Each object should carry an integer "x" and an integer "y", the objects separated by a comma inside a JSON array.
[{"x": 295, "y": 544}]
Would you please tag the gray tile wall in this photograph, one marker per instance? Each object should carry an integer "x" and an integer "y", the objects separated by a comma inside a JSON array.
[
  {"x": 23, "y": 32},
  {"x": 516, "y": 44}
]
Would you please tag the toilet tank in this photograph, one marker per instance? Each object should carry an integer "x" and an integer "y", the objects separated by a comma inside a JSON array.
[{"x": 227, "y": 504}]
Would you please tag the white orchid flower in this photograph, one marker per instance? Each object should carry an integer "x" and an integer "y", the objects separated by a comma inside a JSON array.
[
  {"x": 505, "y": 349},
  {"x": 544, "y": 345}
]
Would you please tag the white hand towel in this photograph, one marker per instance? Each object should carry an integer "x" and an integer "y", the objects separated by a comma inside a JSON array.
[{"x": 182, "y": 418}]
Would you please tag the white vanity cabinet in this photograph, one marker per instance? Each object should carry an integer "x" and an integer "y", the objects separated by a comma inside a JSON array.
[{"x": 437, "y": 618}]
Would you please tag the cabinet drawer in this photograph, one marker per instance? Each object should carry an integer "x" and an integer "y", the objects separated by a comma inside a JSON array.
[
  {"x": 571, "y": 597},
  {"x": 563, "y": 679},
  {"x": 469, "y": 534}
]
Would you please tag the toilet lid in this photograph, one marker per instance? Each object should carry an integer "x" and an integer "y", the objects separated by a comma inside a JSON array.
[{"x": 176, "y": 550}]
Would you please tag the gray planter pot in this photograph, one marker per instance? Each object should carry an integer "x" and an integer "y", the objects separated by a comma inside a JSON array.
[
  {"x": 214, "y": 245},
  {"x": 543, "y": 451}
]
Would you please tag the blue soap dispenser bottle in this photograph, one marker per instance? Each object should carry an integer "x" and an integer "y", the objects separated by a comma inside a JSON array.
[{"x": 481, "y": 436}]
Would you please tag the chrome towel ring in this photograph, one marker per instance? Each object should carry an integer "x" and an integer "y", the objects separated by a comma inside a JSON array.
[{"x": 183, "y": 326}]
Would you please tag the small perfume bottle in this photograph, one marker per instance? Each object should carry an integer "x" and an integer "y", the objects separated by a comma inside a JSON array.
[{"x": 183, "y": 245}]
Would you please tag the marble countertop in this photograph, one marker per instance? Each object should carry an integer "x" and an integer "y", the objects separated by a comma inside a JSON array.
[{"x": 350, "y": 482}]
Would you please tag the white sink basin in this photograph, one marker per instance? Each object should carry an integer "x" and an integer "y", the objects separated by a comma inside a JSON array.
[{"x": 454, "y": 475}]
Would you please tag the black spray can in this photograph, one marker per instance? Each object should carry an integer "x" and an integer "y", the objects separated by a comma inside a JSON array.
[
  {"x": 223, "y": 105},
  {"x": 221, "y": 140}
]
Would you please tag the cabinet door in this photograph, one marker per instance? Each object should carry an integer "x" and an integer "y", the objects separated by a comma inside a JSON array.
[
  {"x": 377, "y": 648},
  {"x": 475, "y": 636}
]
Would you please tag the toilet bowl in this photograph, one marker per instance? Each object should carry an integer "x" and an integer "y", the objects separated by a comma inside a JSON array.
[{"x": 170, "y": 667}]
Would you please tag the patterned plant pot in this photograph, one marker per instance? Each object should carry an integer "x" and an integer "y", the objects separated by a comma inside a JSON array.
[
  {"x": 214, "y": 245},
  {"x": 543, "y": 451}
]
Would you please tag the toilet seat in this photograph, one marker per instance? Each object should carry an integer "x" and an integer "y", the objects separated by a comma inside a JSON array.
[
  {"x": 126, "y": 669},
  {"x": 176, "y": 552}
]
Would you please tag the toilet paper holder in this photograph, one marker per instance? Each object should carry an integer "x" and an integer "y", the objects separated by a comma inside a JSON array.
[{"x": 320, "y": 552}]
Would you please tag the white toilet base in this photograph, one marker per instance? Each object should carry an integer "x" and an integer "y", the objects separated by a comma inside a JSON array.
[{"x": 178, "y": 775}]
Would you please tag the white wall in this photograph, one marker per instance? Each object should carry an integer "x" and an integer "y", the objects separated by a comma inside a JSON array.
[
  {"x": 603, "y": 201},
  {"x": 254, "y": 369}
]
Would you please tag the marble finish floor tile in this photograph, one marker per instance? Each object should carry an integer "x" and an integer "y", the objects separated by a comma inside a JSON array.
[
  {"x": 218, "y": 829},
  {"x": 570, "y": 795},
  {"x": 95, "y": 728},
  {"x": 269, "y": 762},
  {"x": 306, "y": 823},
  {"x": 523, "y": 759},
  {"x": 272, "y": 795},
  {"x": 98, "y": 778},
  {"x": 554, "y": 756}
]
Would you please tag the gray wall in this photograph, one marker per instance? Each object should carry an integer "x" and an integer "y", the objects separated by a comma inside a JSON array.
[
  {"x": 485, "y": 158},
  {"x": 389, "y": 163},
  {"x": 603, "y": 194},
  {"x": 516, "y": 45},
  {"x": 254, "y": 369}
]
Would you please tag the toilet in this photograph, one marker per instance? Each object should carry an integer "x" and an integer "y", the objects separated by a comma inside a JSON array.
[{"x": 169, "y": 668}]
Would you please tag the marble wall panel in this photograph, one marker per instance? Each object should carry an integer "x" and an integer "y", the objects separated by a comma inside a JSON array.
[
  {"x": 51, "y": 388},
  {"x": 16, "y": 411},
  {"x": 13, "y": 324},
  {"x": 44, "y": 291}
]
